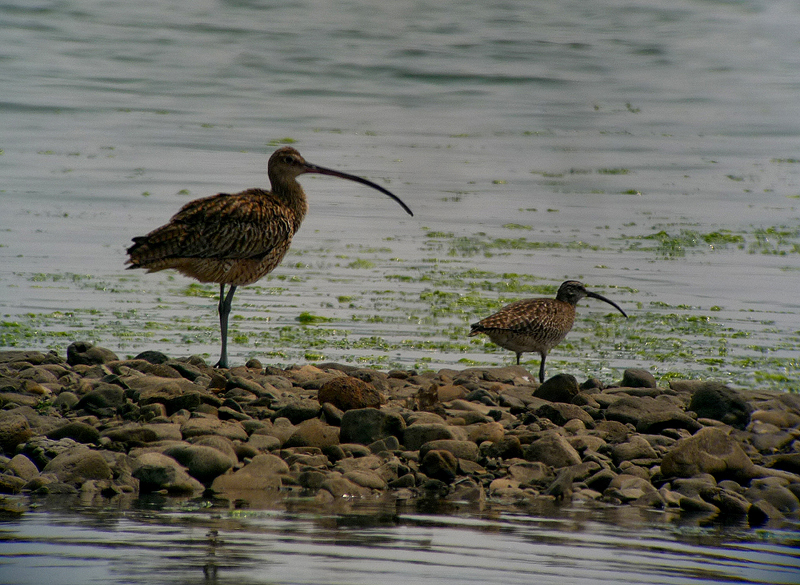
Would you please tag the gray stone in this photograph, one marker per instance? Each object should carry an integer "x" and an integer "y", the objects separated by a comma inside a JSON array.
[
  {"x": 367, "y": 425},
  {"x": 14, "y": 430},
  {"x": 156, "y": 471},
  {"x": 552, "y": 449},
  {"x": 78, "y": 431},
  {"x": 560, "y": 413},
  {"x": 439, "y": 464},
  {"x": 460, "y": 449},
  {"x": 203, "y": 463},
  {"x": 637, "y": 378},
  {"x": 417, "y": 435},
  {"x": 634, "y": 448},
  {"x": 299, "y": 410},
  {"x": 264, "y": 472},
  {"x": 559, "y": 388},
  {"x": 79, "y": 465},
  {"x": 712, "y": 451},
  {"x": 718, "y": 402},
  {"x": 83, "y": 352},
  {"x": 313, "y": 433},
  {"x": 22, "y": 467}
]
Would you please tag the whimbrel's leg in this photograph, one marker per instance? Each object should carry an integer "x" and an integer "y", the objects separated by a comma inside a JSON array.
[{"x": 224, "y": 309}]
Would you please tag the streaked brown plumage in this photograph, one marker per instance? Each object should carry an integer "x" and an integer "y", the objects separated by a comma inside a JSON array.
[
  {"x": 236, "y": 239},
  {"x": 537, "y": 324}
]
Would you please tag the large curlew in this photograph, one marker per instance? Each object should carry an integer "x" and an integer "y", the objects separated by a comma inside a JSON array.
[
  {"x": 236, "y": 239},
  {"x": 537, "y": 324}
]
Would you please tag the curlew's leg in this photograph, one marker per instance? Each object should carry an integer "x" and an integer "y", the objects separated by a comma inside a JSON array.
[
  {"x": 541, "y": 369},
  {"x": 224, "y": 309},
  {"x": 519, "y": 355}
]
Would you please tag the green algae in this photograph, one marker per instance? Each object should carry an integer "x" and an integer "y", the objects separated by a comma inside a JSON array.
[{"x": 418, "y": 313}]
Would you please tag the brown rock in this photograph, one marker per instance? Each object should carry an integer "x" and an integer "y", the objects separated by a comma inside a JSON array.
[
  {"x": 552, "y": 449},
  {"x": 14, "y": 430},
  {"x": 440, "y": 464},
  {"x": 559, "y": 388},
  {"x": 349, "y": 393},
  {"x": 712, "y": 451}
]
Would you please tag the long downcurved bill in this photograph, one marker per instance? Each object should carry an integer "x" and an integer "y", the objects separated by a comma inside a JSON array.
[
  {"x": 310, "y": 168},
  {"x": 594, "y": 295}
]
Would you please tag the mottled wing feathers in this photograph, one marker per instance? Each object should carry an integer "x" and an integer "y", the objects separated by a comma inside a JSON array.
[
  {"x": 247, "y": 225},
  {"x": 542, "y": 319}
]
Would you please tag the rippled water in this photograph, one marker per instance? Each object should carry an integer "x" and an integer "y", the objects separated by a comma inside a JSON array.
[
  {"x": 648, "y": 149},
  {"x": 370, "y": 543}
]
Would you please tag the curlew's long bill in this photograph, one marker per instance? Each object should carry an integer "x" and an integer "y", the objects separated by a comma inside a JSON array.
[
  {"x": 537, "y": 325},
  {"x": 236, "y": 239}
]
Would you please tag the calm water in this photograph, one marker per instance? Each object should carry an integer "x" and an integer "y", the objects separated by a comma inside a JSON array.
[
  {"x": 387, "y": 543},
  {"x": 648, "y": 149}
]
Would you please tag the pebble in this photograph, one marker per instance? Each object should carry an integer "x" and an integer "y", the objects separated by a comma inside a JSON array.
[{"x": 95, "y": 423}]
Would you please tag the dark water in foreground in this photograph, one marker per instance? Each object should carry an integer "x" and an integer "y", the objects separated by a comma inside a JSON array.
[{"x": 371, "y": 543}]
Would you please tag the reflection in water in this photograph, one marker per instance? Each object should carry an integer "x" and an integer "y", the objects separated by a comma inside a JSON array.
[{"x": 386, "y": 542}]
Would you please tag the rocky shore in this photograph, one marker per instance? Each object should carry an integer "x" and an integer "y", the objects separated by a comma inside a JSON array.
[{"x": 93, "y": 424}]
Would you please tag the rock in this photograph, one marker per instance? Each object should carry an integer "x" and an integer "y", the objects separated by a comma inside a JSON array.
[
  {"x": 460, "y": 449},
  {"x": 777, "y": 495},
  {"x": 83, "y": 352},
  {"x": 65, "y": 401},
  {"x": 221, "y": 444},
  {"x": 156, "y": 472},
  {"x": 559, "y": 388},
  {"x": 78, "y": 431},
  {"x": 22, "y": 467},
  {"x": 203, "y": 463},
  {"x": 634, "y": 448},
  {"x": 79, "y": 465},
  {"x": 264, "y": 472},
  {"x": 492, "y": 431},
  {"x": 387, "y": 444},
  {"x": 552, "y": 449},
  {"x": 655, "y": 422},
  {"x": 196, "y": 427},
  {"x": 341, "y": 487},
  {"x": 14, "y": 430},
  {"x": 637, "y": 378},
  {"x": 366, "y": 479},
  {"x": 417, "y": 435},
  {"x": 712, "y": 451},
  {"x": 349, "y": 393},
  {"x": 762, "y": 512},
  {"x": 440, "y": 464},
  {"x": 718, "y": 402},
  {"x": 508, "y": 447},
  {"x": 367, "y": 425},
  {"x": 612, "y": 431},
  {"x": 299, "y": 410},
  {"x": 103, "y": 400},
  {"x": 132, "y": 435},
  {"x": 560, "y": 413},
  {"x": 530, "y": 472},
  {"x": 313, "y": 433},
  {"x": 632, "y": 409}
]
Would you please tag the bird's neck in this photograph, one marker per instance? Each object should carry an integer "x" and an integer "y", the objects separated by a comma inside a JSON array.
[{"x": 291, "y": 194}]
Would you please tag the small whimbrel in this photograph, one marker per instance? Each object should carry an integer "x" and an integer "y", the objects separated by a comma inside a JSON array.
[
  {"x": 537, "y": 324},
  {"x": 236, "y": 239}
]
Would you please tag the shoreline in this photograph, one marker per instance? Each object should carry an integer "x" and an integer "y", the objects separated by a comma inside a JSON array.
[{"x": 251, "y": 435}]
